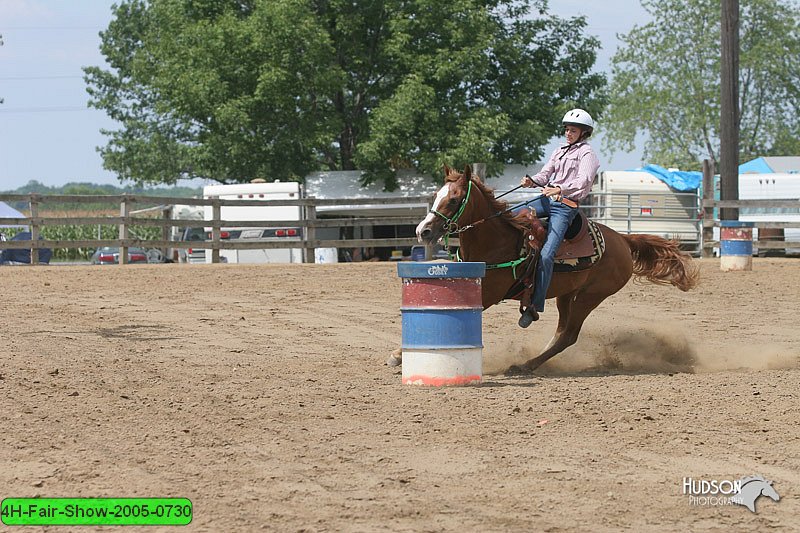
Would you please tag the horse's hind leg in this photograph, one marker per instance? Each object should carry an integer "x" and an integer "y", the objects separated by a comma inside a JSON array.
[{"x": 573, "y": 308}]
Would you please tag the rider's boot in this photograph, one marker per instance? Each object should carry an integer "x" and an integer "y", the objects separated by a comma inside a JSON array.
[{"x": 529, "y": 316}]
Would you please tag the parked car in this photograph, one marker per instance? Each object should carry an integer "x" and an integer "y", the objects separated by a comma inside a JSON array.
[
  {"x": 13, "y": 256},
  {"x": 190, "y": 255},
  {"x": 109, "y": 255},
  {"x": 198, "y": 255}
]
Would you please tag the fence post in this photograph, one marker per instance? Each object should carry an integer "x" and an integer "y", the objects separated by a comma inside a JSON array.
[
  {"x": 311, "y": 232},
  {"x": 124, "y": 212},
  {"x": 630, "y": 207},
  {"x": 215, "y": 230},
  {"x": 34, "y": 205},
  {"x": 708, "y": 207},
  {"x": 166, "y": 233}
]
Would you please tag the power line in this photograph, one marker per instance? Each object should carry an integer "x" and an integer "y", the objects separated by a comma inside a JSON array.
[
  {"x": 26, "y": 78},
  {"x": 55, "y": 109},
  {"x": 48, "y": 28}
]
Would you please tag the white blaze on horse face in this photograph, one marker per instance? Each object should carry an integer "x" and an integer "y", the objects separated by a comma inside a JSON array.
[{"x": 430, "y": 217}]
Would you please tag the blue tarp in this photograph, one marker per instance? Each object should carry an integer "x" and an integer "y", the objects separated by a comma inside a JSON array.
[{"x": 677, "y": 179}]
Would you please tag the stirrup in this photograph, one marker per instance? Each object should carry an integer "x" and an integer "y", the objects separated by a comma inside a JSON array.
[{"x": 529, "y": 316}]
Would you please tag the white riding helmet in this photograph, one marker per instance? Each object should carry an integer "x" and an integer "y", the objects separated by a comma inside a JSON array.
[{"x": 579, "y": 117}]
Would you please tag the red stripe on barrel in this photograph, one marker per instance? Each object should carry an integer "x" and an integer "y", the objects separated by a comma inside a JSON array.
[
  {"x": 433, "y": 381},
  {"x": 736, "y": 234},
  {"x": 452, "y": 293}
]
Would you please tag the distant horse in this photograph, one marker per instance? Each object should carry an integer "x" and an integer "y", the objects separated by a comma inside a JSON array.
[
  {"x": 752, "y": 488},
  {"x": 489, "y": 233}
]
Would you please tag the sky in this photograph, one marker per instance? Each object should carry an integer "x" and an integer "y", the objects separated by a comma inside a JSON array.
[{"x": 49, "y": 134}]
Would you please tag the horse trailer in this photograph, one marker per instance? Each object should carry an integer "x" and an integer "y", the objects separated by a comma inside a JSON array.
[
  {"x": 234, "y": 232},
  {"x": 630, "y": 201}
]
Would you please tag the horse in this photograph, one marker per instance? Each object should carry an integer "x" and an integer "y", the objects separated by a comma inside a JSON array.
[
  {"x": 489, "y": 232},
  {"x": 752, "y": 488}
]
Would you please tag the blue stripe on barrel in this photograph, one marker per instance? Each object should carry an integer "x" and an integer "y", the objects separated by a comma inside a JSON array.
[
  {"x": 736, "y": 247},
  {"x": 442, "y": 328}
]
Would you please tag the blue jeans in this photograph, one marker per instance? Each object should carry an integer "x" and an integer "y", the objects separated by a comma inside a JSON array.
[{"x": 561, "y": 216}]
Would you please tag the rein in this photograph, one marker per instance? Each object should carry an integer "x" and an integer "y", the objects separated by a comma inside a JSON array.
[{"x": 499, "y": 213}]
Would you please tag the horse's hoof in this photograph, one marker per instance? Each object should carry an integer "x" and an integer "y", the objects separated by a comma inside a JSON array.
[
  {"x": 395, "y": 359},
  {"x": 528, "y": 317},
  {"x": 517, "y": 370}
]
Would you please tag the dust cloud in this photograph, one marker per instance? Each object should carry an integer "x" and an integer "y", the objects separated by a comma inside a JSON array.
[{"x": 653, "y": 350}]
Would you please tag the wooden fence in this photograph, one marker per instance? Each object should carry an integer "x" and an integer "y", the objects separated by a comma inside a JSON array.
[
  {"x": 310, "y": 223},
  {"x": 709, "y": 221},
  {"x": 125, "y": 220}
]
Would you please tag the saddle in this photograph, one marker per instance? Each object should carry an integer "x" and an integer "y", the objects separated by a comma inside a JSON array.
[{"x": 582, "y": 247}]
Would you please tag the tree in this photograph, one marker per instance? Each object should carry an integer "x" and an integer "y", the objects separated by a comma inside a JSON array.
[
  {"x": 236, "y": 89},
  {"x": 666, "y": 83}
]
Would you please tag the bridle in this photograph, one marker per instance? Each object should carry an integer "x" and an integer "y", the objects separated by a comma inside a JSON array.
[
  {"x": 451, "y": 223},
  {"x": 451, "y": 227}
]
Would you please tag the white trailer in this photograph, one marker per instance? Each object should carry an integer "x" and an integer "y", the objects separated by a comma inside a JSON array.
[
  {"x": 234, "y": 232},
  {"x": 630, "y": 201}
]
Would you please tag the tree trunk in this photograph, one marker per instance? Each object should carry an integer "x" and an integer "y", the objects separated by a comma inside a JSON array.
[{"x": 347, "y": 147}]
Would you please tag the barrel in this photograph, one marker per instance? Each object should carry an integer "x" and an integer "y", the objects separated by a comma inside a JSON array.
[
  {"x": 326, "y": 255},
  {"x": 442, "y": 323},
  {"x": 736, "y": 245}
]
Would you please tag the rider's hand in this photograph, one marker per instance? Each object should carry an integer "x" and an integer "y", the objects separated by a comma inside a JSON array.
[
  {"x": 552, "y": 191},
  {"x": 526, "y": 181}
]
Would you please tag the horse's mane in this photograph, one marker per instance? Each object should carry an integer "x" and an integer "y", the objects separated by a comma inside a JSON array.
[
  {"x": 748, "y": 479},
  {"x": 518, "y": 222}
]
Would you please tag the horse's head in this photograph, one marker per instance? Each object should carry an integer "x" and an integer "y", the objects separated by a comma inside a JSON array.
[
  {"x": 751, "y": 488},
  {"x": 768, "y": 490},
  {"x": 450, "y": 206}
]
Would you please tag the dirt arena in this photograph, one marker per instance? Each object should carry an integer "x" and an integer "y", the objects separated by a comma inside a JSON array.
[{"x": 261, "y": 393}]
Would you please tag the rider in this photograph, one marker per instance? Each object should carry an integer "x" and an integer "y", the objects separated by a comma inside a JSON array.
[{"x": 566, "y": 179}]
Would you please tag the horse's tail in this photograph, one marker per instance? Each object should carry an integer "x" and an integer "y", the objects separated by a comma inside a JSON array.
[{"x": 661, "y": 261}]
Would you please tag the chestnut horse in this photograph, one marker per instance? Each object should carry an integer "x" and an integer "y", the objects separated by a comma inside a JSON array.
[{"x": 497, "y": 238}]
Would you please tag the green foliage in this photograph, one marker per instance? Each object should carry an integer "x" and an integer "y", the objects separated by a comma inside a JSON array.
[
  {"x": 666, "y": 82},
  {"x": 91, "y": 189},
  {"x": 232, "y": 90},
  {"x": 37, "y": 187},
  {"x": 75, "y": 232}
]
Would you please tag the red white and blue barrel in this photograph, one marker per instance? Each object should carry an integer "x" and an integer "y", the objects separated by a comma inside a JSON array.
[
  {"x": 442, "y": 323},
  {"x": 736, "y": 245}
]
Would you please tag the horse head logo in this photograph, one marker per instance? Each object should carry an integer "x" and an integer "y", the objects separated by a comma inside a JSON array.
[{"x": 752, "y": 488}]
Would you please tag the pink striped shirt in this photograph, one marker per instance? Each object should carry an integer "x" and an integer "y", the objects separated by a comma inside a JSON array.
[{"x": 573, "y": 171}]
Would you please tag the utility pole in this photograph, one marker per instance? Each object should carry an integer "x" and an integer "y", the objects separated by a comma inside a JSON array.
[{"x": 729, "y": 116}]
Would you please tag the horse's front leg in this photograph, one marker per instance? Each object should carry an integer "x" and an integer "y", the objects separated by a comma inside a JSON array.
[{"x": 570, "y": 320}]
